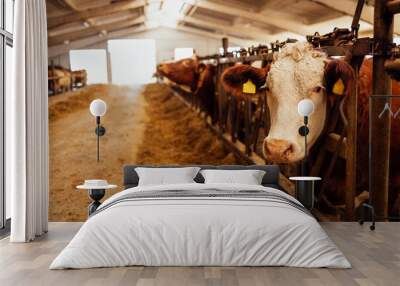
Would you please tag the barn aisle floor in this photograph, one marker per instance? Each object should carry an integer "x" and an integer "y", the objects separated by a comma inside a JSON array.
[
  {"x": 73, "y": 144},
  {"x": 375, "y": 257}
]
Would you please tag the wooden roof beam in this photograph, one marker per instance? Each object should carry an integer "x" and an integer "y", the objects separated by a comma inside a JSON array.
[
  {"x": 233, "y": 40},
  {"x": 255, "y": 34},
  {"x": 349, "y": 7},
  {"x": 95, "y": 12},
  {"x": 92, "y": 31},
  {"x": 269, "y": 17},
  {"x": 87, "y": 42},
  {"x": 393, "y": 6}
]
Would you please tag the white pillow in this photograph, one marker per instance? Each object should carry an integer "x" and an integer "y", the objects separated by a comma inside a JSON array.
[
  {"x": 163, "y": 176},
  {"x": 248, "y": 177}
]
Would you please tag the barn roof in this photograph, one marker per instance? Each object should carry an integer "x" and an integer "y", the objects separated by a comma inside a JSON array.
[{"x": 80, "y": 23}]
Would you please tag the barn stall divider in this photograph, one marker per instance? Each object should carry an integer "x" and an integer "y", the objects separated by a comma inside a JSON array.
[{"x": 241, "y": 122}]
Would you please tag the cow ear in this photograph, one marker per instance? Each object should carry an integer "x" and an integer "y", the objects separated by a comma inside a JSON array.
[
  {"x": 234, "y": 77},
  {"x": 201, "y": 68},
  {"x": 339, "y": 77},
  {"x": 187, "y": 63}
]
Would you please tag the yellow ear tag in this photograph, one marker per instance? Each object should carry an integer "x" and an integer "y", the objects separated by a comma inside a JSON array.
[
  {"x": 249, "y": 87},
  {"x": 338, "y": 88}
]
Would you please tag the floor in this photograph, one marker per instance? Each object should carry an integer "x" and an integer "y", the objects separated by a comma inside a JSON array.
[{"x": 375, "y": 256}]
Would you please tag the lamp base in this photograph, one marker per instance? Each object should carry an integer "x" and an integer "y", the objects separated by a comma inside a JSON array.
[
  {"x": 305, "y": 193},
  {"x": 303, "y": 130},
  {"x": 100, "y": 130},
  {"x": 96, "y": 195}
]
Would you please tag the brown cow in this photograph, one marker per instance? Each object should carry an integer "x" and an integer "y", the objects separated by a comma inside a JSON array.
[
  {"x": 198, "y": 76},
  {"x": 205, "y": 90},
  {"x": 299, "y": 72},
  {"x": 234, "y": 77},
  {"x": 79, "y": 78},
  {"x": 59, "y": 79},
  {"x": 184, "y": 72}
]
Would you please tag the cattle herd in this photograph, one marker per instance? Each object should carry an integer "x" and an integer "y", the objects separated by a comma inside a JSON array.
[
  {"x": 62, "y": 79},
  {"x": 295, "y": 71}
]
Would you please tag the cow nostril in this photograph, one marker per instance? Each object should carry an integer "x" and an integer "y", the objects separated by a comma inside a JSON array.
[
  {"x": 278, "y": 148},
  {"x": 289, "y": 150}
]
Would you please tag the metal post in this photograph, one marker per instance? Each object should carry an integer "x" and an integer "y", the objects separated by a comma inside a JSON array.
[
  {"x": 357, "y": 15},
  {"x": 225, "y": 45},
  {"x": 351, "y": 146},
  {"x": 98, "y": 137},
  {"x": 380, "y": 127},
  {"x": 304, "y": 132}
]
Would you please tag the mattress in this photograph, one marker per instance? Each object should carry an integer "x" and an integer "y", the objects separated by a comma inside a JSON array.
[{"x": 201, "y": 225}]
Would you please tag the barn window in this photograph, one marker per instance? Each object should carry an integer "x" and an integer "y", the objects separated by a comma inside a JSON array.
[
  {"x": 94, "y": 61},
  {"x": 230, "y": 50},
  {"x": 133, "y": 61},
  {"x": 183, "y": 53},
  {"x": 6, "y": 44}
]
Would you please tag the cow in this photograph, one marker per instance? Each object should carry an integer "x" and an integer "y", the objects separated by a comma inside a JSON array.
[
  {"x": 59, "y": 79},
  {"x": 199, "y": 77},
  {"x": 79, "y": 78},
  {"x": 232, "y": 82},
  {"x": 205, "y": 90},
  {"x": 184, "y": 72},
  {"x": 299, "y": 71}
]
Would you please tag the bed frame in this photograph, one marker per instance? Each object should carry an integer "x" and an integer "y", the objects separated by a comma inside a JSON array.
[{"x": 270, "y": 179}]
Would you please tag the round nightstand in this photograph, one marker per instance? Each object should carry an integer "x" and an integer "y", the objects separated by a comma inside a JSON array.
[
  {"x": 96, "y": 190},
  {"x": 305, "y": 190}
]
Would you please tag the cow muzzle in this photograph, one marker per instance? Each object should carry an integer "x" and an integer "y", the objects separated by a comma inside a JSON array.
[{"x": 280, "y": 151}]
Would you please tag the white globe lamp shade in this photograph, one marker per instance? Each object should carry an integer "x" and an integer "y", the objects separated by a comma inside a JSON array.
[
  {"x": 305, "y": 107},
  {"x": 98, "y": 107}
]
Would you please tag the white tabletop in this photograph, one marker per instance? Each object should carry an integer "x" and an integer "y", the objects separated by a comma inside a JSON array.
[
  {"x": 305, "y": 178},
  {"x": 86, "y": 187}
]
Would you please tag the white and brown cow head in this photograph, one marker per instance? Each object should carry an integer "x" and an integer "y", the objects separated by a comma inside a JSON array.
[{"x": 298, "y": 72}]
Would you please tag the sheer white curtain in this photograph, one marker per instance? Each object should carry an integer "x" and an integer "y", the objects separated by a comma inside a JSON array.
[{"x": 27, "y": 124}]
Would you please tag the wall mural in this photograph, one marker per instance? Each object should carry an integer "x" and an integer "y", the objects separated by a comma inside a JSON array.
[
  {"x": 145, "y": 124},
  {"x": 242, "y": 109}
]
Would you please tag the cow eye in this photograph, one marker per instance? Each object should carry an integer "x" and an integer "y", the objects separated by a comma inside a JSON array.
[{"x": 318, "y": 89}]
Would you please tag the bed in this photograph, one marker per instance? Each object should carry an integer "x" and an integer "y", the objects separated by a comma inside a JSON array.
[{"x": 198, "y": 224}]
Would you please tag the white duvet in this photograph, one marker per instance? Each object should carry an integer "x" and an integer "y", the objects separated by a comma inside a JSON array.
[{"x": 200, "y": 231}]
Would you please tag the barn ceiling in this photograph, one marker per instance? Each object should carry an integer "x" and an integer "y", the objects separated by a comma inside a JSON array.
[{"x": 79, "y": 23}]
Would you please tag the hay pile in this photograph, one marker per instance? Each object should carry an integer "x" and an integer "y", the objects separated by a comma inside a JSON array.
[
  {"x": 63, "y": 104},
  {"x": 73, "y": 145},
  {"x": 176, "y": 135}
]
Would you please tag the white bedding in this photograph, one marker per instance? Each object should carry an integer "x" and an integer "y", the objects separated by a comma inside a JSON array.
[{"x": 200, "y": 231}]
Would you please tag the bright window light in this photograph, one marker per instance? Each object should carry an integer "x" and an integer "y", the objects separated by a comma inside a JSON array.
[
  {"x": 183, "y": 53},
  {"x": 93, "y": 61},
  {"x": 230, "y": 50},
  {"x": 133, "y": 61}
]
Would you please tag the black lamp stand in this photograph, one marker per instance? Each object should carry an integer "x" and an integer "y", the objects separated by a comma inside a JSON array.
[
  {"x": 304, "y": 187},
  {"x": 100, "y": 131},
  {"x": 303, "y": 131}
]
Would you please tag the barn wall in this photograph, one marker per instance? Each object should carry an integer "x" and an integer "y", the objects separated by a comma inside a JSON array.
[
  {"x": 168, "y": 39},
  {"x": 166, "y": 42},
  {"x": 61, "y": 60}
]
